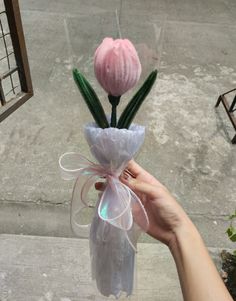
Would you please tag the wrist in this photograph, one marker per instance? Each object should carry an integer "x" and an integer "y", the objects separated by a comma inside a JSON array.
[
  {"x": 197, "y": 272},
  {"x": 184, "y": 235}
]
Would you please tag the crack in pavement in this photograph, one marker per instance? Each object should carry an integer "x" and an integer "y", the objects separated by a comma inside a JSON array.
[{"x": 34, "y": 202}]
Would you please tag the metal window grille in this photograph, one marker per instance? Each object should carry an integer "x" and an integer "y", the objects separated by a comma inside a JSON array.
[{"x": 15, "y": 80}]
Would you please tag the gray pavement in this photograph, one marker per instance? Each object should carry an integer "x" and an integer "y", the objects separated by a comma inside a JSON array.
[
  {"x": 192, "y": 43},
  {"x": 58, "y": 269}
]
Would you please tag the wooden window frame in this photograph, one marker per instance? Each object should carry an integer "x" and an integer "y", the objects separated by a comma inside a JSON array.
[{"x": 12, "y": 11}]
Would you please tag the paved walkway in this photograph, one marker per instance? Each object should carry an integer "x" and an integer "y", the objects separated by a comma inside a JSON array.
[
  {"x": 192, "y": 43},
  {"x": 58, "y": 269}
]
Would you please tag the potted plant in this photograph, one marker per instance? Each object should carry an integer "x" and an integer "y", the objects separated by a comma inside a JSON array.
[{"x": 229, "y": 260}]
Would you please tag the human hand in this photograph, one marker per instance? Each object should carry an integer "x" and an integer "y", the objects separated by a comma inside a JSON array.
[{"x": 166, "y": 216}]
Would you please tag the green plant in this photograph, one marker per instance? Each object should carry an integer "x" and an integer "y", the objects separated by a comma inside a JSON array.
[
  {"x": 91, "y": 99},
  {"x": 94, "y": 105},
  {"x": 229, "y": 260},
  {"x": 133, "y": 106},
  {"x": 231, "y": 231}
]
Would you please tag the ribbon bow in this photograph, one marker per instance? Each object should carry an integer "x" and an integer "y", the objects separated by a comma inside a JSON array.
[{"x": 118, "y": 205}]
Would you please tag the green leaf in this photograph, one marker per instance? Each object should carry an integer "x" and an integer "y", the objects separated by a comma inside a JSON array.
[
  {"x": 133, "y": 106},
  {"x": 231, "y": 231},
  {"x": 91, "y": 99},
  {"x": 232, "y": 216}
]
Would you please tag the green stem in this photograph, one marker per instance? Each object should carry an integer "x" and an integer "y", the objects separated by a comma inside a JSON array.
[{"x": 114, "y": 101}]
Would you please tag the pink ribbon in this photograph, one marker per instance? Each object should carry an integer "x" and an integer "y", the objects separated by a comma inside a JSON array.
[{"x": 118, "y": 205}]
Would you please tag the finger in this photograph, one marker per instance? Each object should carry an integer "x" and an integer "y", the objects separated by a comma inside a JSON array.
[
  {"x": 141, "y": 187},
  {"x": 137, "y": 171},
  {"x": 134, "y": 168},
  {"x": 99, "y": 186}
]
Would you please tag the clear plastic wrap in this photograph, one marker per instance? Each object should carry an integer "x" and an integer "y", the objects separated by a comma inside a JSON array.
[{"x": 118, "y": 216}]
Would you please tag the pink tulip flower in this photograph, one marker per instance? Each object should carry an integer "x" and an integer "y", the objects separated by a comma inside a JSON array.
[{"x": 117, "y": 66}]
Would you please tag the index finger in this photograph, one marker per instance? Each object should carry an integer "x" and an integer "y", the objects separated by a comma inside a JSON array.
[{"x": 134, "y": 168}]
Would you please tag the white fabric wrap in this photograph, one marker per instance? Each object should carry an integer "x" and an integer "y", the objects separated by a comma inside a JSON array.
[{"x": 112, "y": 257}]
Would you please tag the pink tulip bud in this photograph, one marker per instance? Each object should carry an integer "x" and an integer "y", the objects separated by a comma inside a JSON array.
[{"x": 117, "y": 66}]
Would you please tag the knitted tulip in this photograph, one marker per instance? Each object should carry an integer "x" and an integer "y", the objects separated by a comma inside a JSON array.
[
  {"x": 118, "y": 69},
  {"x": 117, "y": 66}
]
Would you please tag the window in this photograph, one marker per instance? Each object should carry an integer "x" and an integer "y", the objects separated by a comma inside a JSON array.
[{"x": 15, "y": 80}]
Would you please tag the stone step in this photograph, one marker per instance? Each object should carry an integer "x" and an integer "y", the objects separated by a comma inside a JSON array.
[
  {"x": 34, "y": 268},
  {"x": 49, "y": 219}
]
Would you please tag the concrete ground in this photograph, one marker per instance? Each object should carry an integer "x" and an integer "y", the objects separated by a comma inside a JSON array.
[
  {"x": 187, "y": 147},
  {"x": 49, "y": 269}
]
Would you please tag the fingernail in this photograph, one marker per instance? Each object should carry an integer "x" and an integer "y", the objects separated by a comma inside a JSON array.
[{"x": 126, "y": 176}]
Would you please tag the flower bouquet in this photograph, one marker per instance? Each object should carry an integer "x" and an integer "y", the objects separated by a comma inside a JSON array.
[{"x": 119, "y": 216}]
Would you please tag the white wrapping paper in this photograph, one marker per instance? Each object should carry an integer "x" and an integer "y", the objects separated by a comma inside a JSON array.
[
  {"x": 118, "y": 216},
  {"x": 112, "y": 256}
]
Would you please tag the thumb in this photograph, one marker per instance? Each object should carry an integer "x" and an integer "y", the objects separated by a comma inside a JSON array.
[{"x": 140, "y": 187}]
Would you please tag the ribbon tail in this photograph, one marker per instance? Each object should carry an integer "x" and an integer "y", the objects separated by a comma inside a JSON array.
[
  {"x": 122, "y": 208},
  {"x": 114, "y": 206},
  {"x": 81, "y": 207},
  {"x": 139, "y": 212},
  {"x": 132, "y": 236},
  {"x": 140, "y": 218}
]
